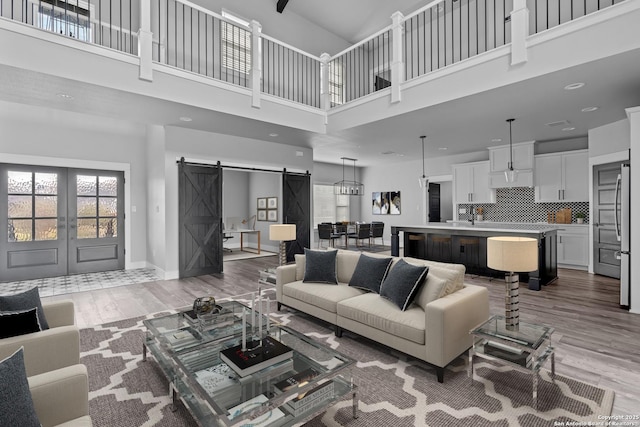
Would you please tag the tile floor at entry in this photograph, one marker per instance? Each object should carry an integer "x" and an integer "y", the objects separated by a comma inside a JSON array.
[{"x": 80, "y": 282}]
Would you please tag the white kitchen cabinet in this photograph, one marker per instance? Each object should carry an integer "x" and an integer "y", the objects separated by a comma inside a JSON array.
[
  {"x": 562, "y": 177},
  {"x": 523, "y": 162},
  {"x": 573, "y": 247},
  {"x": 471, "y": 183}
]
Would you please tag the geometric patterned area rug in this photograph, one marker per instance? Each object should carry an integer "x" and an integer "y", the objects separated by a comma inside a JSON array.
[{"x": 393, "y": 388}]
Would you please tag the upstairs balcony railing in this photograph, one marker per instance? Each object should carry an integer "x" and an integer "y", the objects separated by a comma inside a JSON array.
[
  {"x": 189, "y": 37},
  {"x": 109, "y": 23}
]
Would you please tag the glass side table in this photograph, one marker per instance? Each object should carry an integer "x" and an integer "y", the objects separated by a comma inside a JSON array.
[
  {"x": 526, "y": 348},
  {"x": 267, "y": 276}
]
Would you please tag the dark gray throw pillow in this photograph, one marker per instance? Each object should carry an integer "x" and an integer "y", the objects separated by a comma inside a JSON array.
[
  {"x": 403, "y": 283},
  {"x": 25, "y": 301},
  {"x": 370, "y": 272},
  {"x": 16, "y": 404},
  {"x": 320, "y": 266},
  {"x": 14, "y": 323}
]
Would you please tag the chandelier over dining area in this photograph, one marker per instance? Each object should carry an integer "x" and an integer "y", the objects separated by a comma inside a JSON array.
[{"x": 348, "y": 187}]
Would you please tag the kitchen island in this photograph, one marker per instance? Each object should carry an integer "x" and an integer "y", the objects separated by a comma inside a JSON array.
[{"x": 466, "y": 243}]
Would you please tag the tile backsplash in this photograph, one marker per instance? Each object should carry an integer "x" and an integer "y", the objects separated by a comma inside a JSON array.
[{"x": 518, "y": 205}]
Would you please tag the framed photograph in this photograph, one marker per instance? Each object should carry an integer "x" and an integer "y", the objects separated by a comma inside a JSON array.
[
  {"x": 376, "y": 203},
  {"x": 272, "y": 215},
  {"x": 262, "y": 214},
  {"x": 272, "y": 203},
  {"x": 394, "y": 202},
  {"x": 262, "y": 203}
]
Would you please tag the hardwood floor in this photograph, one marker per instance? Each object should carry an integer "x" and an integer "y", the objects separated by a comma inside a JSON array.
[{"x": 595, "y": 340}]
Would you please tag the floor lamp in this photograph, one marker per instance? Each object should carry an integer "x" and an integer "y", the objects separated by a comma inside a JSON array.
[
  {"x": 511, "y": 254},
  {"x": 283, "y": 233}
]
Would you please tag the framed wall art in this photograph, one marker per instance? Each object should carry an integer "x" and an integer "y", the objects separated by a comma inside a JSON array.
[
  {"x": 272, "y": 203},
  {"x": 272, "y": 215},
  {"x": 385, "y": 203},
  {"x": 262, "y": 203},
  {"x": 262, "y": 214}
]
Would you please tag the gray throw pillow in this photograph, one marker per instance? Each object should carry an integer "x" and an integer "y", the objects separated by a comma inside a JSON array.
[
  {"x": 370, "y": 272},
  {"x": 14, "y": 323},
  {"x": 320, "y": 266},
  {"x": 403, "y": 283},
  {"x": 25, "y": 301},
  {"x": 16, "y": 404}
]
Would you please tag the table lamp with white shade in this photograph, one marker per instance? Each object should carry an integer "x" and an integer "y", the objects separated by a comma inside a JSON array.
[
  {"x": 512, "y": 254},
  {"x": 283, "y": 233}
]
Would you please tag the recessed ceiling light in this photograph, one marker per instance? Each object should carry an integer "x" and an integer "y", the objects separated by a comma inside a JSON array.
[
  {"x": 442, "y": 148},
  {"x": 65, "y": 96},
  {"x": 568, "y": 129},
  {"x": 273, "y": 134},
  {"x": 589, "y": 109},
  {"x": 574, "y": 86},
  {"x": 185, "y": 119},
  {"x": 399, "y": 154},
  {"x": 496, "y": 140}
]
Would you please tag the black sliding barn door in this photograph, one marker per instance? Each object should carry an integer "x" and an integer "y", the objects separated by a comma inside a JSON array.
[
  {"x": 200, "y": 219},
  {"x": 296, "y": 209}
]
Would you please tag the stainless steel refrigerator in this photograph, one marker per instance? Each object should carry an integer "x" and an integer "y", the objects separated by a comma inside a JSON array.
[{"x": 623, "y": 229}]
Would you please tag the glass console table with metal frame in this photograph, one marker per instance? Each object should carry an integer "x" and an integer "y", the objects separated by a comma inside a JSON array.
[
  {"x": 526, "y": 348},
  {"x": 183, "y": 352}
]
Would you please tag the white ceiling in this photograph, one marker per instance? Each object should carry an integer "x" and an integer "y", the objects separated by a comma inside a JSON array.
[{"x": 352, "y": 20}]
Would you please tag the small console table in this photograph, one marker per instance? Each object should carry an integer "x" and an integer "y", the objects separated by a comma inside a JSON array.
[
  {"x": 242, "y": 232},
  {"x": 526, "y": 348}
]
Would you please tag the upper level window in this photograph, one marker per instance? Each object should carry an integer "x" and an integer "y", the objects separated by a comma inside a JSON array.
[
  {"x": 71, "y": 18},
  {"x": 236, "y": 44},
  {"x": 336, "y": 82}
]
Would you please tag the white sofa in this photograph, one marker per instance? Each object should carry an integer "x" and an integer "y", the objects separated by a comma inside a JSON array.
[
  {"x": 61, "y": 397},
  {"x": 54, "y": 348},
  {"x": 436, "y": 332}
]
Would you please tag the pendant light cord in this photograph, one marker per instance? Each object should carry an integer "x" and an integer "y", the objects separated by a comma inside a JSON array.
[{"x": 510, "y": 145}]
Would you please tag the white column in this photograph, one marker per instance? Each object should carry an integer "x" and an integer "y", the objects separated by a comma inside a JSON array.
[
  {"x": 325, "y": 90},
  {"x": 634, "y": 122},
  {"x": 397, "y": 64},
  {"x": 256, "y": 63},
  {"x": 145, "y": 42},
  {"x": 519, "y": 32}
]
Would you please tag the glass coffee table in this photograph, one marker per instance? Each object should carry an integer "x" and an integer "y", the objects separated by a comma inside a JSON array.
[
  {"x": 282, "y": 394},
  {"x": 526, "y": 348}
]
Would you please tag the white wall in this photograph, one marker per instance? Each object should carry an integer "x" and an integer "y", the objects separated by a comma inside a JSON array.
[
  {"x": 230, "y": 150},
  {"x": 67, "y": 139},
  {"x": 610, "y": 138},
  {"x": 155, "y": 198},
  {"x": 235, "y": 198},
  {"x": 404, "y": 178},
  {"x": 328, "y": 173}
]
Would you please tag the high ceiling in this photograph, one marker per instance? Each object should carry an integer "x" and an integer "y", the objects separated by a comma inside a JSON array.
[
  {"x": 352, "y": 20},
  {"x": 464, "y": 125}
]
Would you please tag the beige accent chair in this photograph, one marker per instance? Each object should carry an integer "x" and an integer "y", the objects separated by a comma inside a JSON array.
[
  {"x": 61, "y": 397},
  {"x": 54, "y": 348}
]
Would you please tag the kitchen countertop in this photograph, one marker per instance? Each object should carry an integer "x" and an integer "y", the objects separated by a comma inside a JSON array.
[{"x": 488, "y": 226}]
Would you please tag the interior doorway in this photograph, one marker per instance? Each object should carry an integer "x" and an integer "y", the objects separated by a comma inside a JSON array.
[
  {"x": 60, "y": 221},
  {"x": 434, "y": 202}
]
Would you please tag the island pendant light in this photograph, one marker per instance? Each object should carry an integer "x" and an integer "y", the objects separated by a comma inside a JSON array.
[
  {"x": 346, "y": 187},
  {"x": 510, "y": 174},
  {"x": 423, "y": 181}
]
